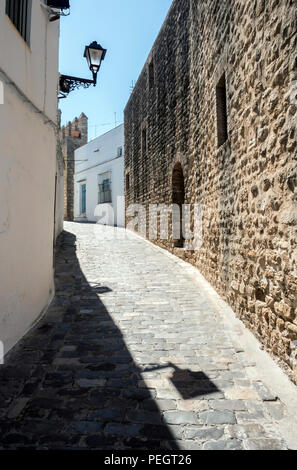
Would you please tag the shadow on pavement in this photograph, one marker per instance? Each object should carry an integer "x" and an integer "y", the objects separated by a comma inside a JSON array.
[
  {"x": 72, "y": 382},
  {"x": 189, "y": 384}
]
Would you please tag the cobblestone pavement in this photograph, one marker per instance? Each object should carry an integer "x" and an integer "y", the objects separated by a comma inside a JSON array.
[{"x": 131, "y": 354}]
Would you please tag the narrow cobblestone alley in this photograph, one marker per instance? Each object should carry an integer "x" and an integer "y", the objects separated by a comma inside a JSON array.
[{"x": 134, "y": 354}]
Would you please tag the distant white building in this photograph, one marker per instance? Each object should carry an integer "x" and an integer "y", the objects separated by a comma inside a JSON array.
[{"x": 99, "y": 180}]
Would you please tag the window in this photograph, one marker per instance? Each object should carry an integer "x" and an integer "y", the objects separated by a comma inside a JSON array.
[
  {"x": 222, "y": 125},
  {"x": 83, "y": 198},
  {"x": 104, "y": 195},
  {"x": 120, "y": 151},
  {"x": 144, "y": 141},
  {"x": 76, "y": 134},
  {"x": 19, "y": 11},
  {"x": 151, "y": 74}
]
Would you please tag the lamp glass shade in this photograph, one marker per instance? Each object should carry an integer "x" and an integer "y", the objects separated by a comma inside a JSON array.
[{"x": 94, "y": 54}]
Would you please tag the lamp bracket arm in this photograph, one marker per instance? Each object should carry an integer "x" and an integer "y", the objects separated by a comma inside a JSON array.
[{"x": 77, "y": 79}]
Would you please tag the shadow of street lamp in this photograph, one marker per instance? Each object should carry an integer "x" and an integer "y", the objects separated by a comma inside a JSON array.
[{"x": 188, "y": 383}]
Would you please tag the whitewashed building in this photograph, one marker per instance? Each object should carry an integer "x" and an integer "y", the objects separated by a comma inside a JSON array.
[
  {"x": 99, "y": 180},
  {"x": 30, "y": 216}
]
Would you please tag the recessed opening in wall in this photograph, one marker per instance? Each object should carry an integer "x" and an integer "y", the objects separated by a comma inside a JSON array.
[
  {"x": 76, "y": 134},
  {"x": 144, "y": 141},
  {"x": 260, "y": 295},
  {"x": 127, "y": 182},
  {"x": 151, "y": 73},
  {"x": 221, "y": 103},
  {"x": 178, "y": 198}
]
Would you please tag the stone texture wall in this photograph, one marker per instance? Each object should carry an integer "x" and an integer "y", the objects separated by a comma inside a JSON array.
[
  {"x": 248, "y": 185},
  {"x": 72, "y": 136},
  {"x": 59, "y": 182}
]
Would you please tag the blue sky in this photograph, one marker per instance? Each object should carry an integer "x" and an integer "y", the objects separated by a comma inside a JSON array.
[{"x": 127, "y": 29}]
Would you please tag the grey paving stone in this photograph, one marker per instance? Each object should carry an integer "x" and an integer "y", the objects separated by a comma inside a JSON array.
[
  {"x": 190, "y": 445},
  {"x": 107, "y": 415},
  {"x": 217, "y": 417},
  {"x": 231, "y": 444},
  {"x": 17, "y": 408},
  {"x": 84, "y": 427},
  {"x": 176, "y": 431},
  {"x": 91, "y": 382},
  {"x": 124, "y": 430},
  {"x": 245, "y": 431},
  {"x": 264, "y": 392},
  {"x": 264, "y": 444},
  {"x": 156, "y": 432},
  {"x": 168, "y": 405},
  {"x": 203, "y": 433},
  {"x": 232, "y": 405},
  {"x": 275, "y": 410},
  {"x": 99, "y": 442},
  {"x": 163, "y": 394},
  {"x": 249, "y": 417},
  {"x": 140, "y": 416},
  {"x": 181, "y": 417}
]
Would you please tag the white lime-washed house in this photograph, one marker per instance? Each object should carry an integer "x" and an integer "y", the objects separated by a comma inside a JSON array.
[
  {"x": 99, "y": 180},
  {"x": 30, "y": 212}
]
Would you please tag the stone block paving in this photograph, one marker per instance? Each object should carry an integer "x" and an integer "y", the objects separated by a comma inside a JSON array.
[{"x": 131, "y": 355}]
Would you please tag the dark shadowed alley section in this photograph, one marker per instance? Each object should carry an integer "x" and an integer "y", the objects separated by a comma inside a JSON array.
[{"x": 72, "y": 382}]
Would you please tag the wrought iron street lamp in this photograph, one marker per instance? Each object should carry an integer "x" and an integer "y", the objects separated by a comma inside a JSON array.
[{"x": 94, "y": 54}]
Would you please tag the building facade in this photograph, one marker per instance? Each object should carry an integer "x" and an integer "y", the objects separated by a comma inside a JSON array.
[
  {"x": 28, "y": 165},
  {"x": 71, "y": 137},
  {"x": 99, "y": 179},
  {"x": 212, "y": 122}
]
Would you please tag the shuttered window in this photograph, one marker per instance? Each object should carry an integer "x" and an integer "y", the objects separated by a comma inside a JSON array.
[
  {"x": 19, "y": 11},
  {"x": 83, "y": 198},
  {"x": 105, "y": 193}
]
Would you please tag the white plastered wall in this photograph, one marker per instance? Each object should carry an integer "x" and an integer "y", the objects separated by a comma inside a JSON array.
[
  {"x": 27, "y": 172},
  {"x": 97, "y": 157}
]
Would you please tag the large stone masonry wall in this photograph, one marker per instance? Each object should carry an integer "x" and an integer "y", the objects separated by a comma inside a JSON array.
[{"x": 248, "y": 186}]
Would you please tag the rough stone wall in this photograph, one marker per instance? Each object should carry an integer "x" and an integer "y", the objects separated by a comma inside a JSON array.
[
  {"x": 72, "y": 136},
  {"x": 59, "y": 183},
  {"x": 247, "y": 186}
]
